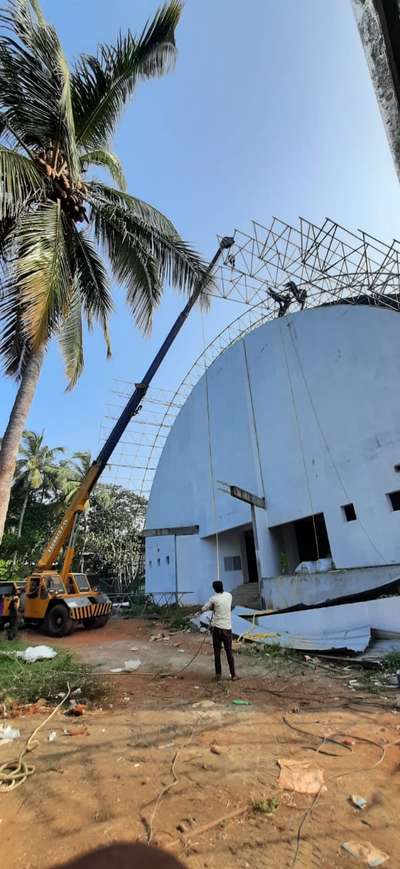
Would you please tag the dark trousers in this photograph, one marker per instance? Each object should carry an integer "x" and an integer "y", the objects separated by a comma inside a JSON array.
[
  {"x": 12, "y": 629},
  {"x": 222, "y": 637}
]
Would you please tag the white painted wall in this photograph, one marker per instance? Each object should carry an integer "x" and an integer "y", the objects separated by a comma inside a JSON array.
[{"x": 325, "y": 390}]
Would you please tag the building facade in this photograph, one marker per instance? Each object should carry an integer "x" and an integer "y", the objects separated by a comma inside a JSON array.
[{"x": 303, "y": 412}]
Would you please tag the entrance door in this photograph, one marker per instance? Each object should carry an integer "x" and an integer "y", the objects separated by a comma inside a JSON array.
[{"x": 251, "y": 556}]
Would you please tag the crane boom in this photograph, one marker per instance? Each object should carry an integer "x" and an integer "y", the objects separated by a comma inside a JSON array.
[{"x": 67, "y": 528}]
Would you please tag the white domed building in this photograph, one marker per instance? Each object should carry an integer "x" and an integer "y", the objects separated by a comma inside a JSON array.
[{"x": 303, "y": 413}]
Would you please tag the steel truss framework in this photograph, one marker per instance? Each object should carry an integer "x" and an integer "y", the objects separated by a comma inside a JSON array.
[{"x": 328, "y": 262}]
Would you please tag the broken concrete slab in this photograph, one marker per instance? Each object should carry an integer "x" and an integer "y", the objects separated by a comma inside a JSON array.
[{"x": 310, "y": 589}]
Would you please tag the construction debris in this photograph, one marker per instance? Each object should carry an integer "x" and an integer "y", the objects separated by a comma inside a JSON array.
[
  {"x": 370, "y": 627},
  {"x": 358, "y": 802},
  {"x": 76, "y": 709},
  {"x": 366, "y": 853},
  {"x": 7, "y": 734},
  {"x": 301, "y": 776},
  {"x": 36, "y": 653}
]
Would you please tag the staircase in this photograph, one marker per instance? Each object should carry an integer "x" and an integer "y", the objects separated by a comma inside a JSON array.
[{"x": 247, "y": 594}]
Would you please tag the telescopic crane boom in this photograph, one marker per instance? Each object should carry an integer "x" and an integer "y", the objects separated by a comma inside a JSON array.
[{"x": 67, "y": 529}]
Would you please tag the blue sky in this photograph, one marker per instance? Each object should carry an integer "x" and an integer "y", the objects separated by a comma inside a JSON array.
[{"x": 270, "y": 111}]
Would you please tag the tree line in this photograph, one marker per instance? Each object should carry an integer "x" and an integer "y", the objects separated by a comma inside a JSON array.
[{"x": 109, "y": 545}]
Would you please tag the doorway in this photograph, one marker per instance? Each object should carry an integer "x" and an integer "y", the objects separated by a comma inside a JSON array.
[
  {"x": 251, "y": 555},
  {"x": 308, "y": 532}
]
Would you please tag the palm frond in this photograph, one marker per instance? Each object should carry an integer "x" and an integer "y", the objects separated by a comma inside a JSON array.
[
  {"x": 142, "y": 238},
  {"x": 14, "y": 348},
  {"x": 35, "y": 87},
  {"x": 20, "y": 182},
  {"x": 102, "y": 157},
  {"x": 42, "y": 271},
  {"x": 91, "y": 276},
  {"x": 71, "y": 337},
  {"x": 101, "y": 85}
]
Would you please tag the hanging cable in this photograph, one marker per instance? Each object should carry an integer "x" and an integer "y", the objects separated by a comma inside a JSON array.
[
  {"x": 210, "y": 455},
  {"x": 299, "y": 432},
  {"x": 326, "y": 444}
]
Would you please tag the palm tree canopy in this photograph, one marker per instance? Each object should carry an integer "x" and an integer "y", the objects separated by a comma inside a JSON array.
[
  {"x": 57, "y": 221},
  {"x": 71, "y": 473},
  {"x": 36, "y": 466}
]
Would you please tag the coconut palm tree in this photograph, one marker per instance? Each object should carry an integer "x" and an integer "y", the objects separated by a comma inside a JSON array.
[
  {"x": 57, "y": 222},
  {"x": 71, "y": 473},
  {"x": 36, "y": 469}
]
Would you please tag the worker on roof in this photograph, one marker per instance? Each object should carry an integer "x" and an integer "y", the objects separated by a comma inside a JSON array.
[
  {"x": 284, "y": 301},
  {"x": 299, "y": 293},
  {"x": 221, "y": 627}
]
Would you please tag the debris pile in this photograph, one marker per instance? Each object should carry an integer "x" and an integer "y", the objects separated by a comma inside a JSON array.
[{"x": 368, "y": 628}]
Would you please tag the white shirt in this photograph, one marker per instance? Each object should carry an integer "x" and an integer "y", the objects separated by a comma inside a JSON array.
[{"x": 221, "y": 605}]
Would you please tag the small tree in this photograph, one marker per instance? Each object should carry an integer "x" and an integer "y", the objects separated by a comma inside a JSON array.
[{"x": 36, "y": 470}]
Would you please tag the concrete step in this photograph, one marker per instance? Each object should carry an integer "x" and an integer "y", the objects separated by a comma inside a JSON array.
[{"x": 246, "y": 594}]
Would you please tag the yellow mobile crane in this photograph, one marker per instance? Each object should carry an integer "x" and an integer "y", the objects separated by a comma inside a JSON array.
[{"x": 59, "y": 599}]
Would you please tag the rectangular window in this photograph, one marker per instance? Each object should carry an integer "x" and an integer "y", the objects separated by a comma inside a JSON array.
[
  {"x": 349, "y": 512},
  {"x": 394, "y": 498},
  {"x": 232, "y": 562},
  {"x": 149, "y": 563},
  {"x": 167, "y": 559},
  {"x": 158, "y": 561}
]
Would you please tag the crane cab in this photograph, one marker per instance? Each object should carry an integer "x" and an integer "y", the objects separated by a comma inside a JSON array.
[{"x": 57, "y": 607}]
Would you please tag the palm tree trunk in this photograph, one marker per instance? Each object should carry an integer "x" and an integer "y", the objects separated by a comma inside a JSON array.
[
  {"x": 22, "y": 516},
  {"x": 15, "y": 428}
]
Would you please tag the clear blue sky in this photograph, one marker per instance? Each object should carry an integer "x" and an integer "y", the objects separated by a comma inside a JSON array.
[{"x": 270, "y": 111}]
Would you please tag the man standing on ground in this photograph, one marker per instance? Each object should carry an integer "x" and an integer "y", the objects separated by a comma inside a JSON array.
[
  {"x": 13, "y": 618},
  {"x": 221, "y": 626}
]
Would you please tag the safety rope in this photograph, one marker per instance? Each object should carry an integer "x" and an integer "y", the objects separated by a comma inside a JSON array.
[
  {"x": 299, "y": 432},
  {"x": 326, "y": 444},
  {"x": 210, "y": 454},
  {"x": 14, "y": 773}
]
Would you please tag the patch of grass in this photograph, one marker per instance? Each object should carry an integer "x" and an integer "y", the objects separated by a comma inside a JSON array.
[
  {"x": 264, "y": 651},
  {"x": 370, "y": 682},
  {"x": 391, "y": 662},
  {"x": 178, "y": 619},
  {"x": 265, "y": 806},
  {"x": 26, "y": 683}
]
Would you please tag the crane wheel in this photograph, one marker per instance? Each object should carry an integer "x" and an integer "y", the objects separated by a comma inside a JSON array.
[
  {"x": 95, "y": 622},
  {"x": 58, "y": 622}
]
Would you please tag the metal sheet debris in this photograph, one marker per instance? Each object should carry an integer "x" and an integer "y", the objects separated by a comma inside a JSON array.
[{"x": 355, "y": 639}]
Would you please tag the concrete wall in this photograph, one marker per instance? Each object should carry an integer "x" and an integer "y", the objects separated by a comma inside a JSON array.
[
  {"x": 197, "y": 564},
  {"x": 282, "y": 592},
  {"x": 324, "y": 386}
]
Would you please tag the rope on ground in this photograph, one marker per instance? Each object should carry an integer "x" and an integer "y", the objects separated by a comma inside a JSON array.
[
  {"x": 352, "y": 771},
  {"x": 14, "y": 773},
  {"x": 198, "y": 831},
  {"x": 149, "y": 824},
  {"x": 185, "y": 667}
]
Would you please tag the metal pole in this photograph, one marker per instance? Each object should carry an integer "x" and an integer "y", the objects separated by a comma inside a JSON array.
[
  {"x": 176, "y": 571},
  {"x": 256, "y": 547}
]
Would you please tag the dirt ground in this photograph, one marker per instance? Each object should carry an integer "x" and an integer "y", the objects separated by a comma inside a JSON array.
[{"x": 169, "y": 756}]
